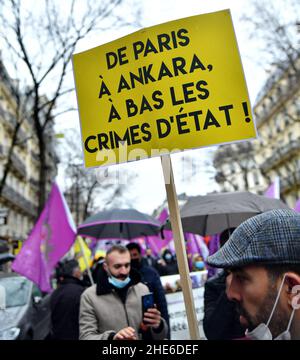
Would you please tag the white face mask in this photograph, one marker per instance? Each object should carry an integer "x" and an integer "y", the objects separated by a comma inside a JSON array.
[{"x": 262, "y": 331}]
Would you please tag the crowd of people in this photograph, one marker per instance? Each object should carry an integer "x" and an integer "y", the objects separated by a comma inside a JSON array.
[
  {"x": 112, "y": 308},
  {"x": 255, "y": 294}
]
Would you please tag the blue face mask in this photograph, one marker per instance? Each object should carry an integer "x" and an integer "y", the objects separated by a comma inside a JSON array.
[
  {"x": 168, "y": 256},
  {"x": 199, "y": 264},
  {"x": 120, "y": 284}
]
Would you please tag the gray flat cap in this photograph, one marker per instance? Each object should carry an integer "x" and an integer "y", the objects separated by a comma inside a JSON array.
[{"x": 272, "y": 237}]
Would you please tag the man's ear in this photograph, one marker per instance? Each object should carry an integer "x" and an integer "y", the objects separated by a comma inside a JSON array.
[
  {"x": 105, "y": 267},
  {"x": 293, "y": 283}
]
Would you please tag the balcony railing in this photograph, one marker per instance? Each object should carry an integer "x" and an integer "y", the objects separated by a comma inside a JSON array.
[
  {"x": 289, "y": 182},
  {"x": 278, "y": 99},
  {"x": 19, "y": 200},
  {"x": 18, "y": 165},
  {"x": 34, "y": 183},
  {"x": 8, "y": 118},
  {"x": 35, "y": 156},
  {"x": 230, "y": 153},
  {"x": 22, "y": 136},
  {"x": 280, "y": 155}
]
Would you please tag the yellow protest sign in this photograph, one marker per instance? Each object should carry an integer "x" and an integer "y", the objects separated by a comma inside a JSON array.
[{"x": 175, "y": 86}]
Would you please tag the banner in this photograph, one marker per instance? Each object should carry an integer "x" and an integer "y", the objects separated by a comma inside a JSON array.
[
  {"x": 175, "y": 86},
  {"x": 176, "y": 308}
]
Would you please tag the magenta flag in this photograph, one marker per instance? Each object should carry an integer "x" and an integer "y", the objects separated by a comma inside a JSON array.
[
  {"x": 157, "y": 242},
  {"x": 297, "y": 206},
  {"x": 163, "y": 216},
  {"x": 51, "y": 238},
  {"x": 273, "y": 191}
]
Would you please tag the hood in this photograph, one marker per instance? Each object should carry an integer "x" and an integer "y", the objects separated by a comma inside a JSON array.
[{"x": 11, "y": 316}]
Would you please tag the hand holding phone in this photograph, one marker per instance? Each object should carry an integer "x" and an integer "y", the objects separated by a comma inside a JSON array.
[
  {"x": 151, "y": 316},
  {"x": 147, "y": 302}
]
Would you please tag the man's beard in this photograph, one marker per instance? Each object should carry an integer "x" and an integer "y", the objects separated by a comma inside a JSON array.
[
  {"x": 279, "y": 319},
  {"x": 121, "y": 277}
]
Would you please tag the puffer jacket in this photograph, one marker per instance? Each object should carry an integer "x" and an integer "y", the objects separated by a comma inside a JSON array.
[{"x": 103, "y": 313}]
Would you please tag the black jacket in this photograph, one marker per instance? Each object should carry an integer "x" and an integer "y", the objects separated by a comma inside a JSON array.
[
  {"x": 150, "y": 277},
  {"x": 221, "y": 320},
  {"x": 65, "y": 303}
]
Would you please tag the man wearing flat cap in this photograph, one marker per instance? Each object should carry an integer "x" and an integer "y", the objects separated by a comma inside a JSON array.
[{"x": 263, "y": 258}]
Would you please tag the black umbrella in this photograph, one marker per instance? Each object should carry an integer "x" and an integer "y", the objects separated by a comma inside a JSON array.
[
  {"x": 211, "y": 214},
  {"x": 119, "y": 224}
]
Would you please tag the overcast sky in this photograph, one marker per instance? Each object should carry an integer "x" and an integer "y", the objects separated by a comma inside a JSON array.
[{"x": 148, "y": 191}]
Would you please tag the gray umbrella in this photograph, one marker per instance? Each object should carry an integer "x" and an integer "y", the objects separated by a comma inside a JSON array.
[
  {"x": 211, "y": 214},
  {"x": 119, "y": 224}
]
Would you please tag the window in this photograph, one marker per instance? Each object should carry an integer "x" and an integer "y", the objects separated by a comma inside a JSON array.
[
  {"x": 16, "y": 290},
  {"x": 277, "y": 124},
  {"x": 270, "y": 135},
  {"x": 279, "y": 90},
  {"x": 255, "y": 178}
]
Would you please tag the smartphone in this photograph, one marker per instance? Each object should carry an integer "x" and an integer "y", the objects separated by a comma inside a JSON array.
[{"x": 147, "y": 302}]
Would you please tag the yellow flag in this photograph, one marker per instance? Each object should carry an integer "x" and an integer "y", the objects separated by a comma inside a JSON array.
[
  {"x": 82, "y": 253},
  {"x": 17, "y": 250}
]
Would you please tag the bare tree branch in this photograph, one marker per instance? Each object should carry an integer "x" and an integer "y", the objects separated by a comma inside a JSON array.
[{"x": 43, "y": 40}]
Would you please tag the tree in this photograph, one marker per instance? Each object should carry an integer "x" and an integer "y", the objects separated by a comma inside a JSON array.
[
  {"x": 39, "y": 39},
  {"x": 274, "y": 26},
  {"x": 91, "y": 190}
]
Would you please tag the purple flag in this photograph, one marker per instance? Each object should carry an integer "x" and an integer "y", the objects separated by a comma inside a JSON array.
[
  {"x": 214, "y": 245},
  {"x": 273, "y": 191},
  {"x": 157, "y": 243},
  {"x": 163, "y": 216},
  {"x": 297, "y": 206},
  {"x": 51, "y": 238},
  {"x": 191, "y": 248}
]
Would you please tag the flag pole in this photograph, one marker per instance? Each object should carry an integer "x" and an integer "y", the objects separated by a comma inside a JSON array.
[
  {"x": 80, "y": 240},
  {"x": 185, "y": 279}
]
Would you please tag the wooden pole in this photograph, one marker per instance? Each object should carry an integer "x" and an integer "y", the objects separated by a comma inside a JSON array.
[{"x": 185, "y": 279}]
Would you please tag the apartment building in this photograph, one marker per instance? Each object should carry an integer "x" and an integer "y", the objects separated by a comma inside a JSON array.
[
  {"x": 253, "y": 165},
  {"x": 19, "y": 198}
]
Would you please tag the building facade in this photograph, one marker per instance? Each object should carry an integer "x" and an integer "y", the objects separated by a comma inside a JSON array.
[
  {"x": 254, "y": 165},
  {"x": 19, "y": 197}
]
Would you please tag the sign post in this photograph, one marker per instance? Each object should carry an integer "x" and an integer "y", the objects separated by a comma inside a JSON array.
[{"x": 180, "y": 248}]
